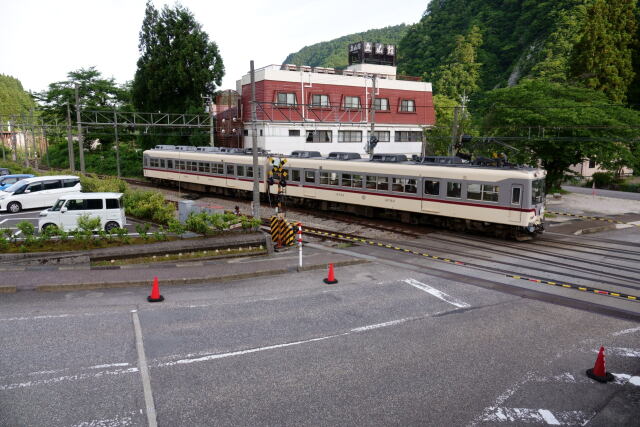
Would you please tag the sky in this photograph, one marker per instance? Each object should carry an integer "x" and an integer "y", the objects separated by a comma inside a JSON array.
[{"x": 42, "y": 40}]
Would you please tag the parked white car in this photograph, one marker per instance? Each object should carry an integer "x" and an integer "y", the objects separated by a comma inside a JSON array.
[
  {"x": 65, "y": 212},
  {"x": 37, "y": 192}
]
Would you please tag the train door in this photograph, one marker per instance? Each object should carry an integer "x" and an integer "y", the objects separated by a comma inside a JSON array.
[
  {"x": 516, "y": 196},
  {"x": 309, "y": 182},
  {"x": 230, "y": 171}
]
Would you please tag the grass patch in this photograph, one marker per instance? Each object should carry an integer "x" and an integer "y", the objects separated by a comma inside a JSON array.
[
  {"x": 186, "y": 256},
  {"x": 344, "y": 245},
  {"x": 550, "y": 215}
]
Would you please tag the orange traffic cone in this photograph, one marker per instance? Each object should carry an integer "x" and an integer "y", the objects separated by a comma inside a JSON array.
[
  {"x": 155, "y": 292},
  {"x": 599, "y": 371},
  {"x": 332, "y": 278}
]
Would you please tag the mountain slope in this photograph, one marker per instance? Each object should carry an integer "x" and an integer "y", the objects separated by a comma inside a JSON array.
[{"x": 333, "y": 53}]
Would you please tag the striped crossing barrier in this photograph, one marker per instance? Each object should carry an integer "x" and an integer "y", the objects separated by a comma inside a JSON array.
[{"x": 282, "y": 232}]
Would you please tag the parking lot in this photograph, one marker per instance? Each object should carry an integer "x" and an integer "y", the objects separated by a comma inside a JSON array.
[{"x": 386, "y": 345}]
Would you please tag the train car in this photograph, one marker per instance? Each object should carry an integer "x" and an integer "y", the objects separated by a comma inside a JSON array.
[{"x": 503, "y": 200}]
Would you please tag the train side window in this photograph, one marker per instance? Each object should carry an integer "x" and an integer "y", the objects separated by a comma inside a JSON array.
[
  {"x": 295, "y": 175},
  {"x": 372, "y": 181},
  {"x": 310, "y": 176},
  {"x": 334, "y": 178},
  {"x": 347, "y": 180},
  {"x": 230, "y": 170},
  {"x": 383, "y": 183},
  {"x": 396, "y": 185},
  {"x": 169, "y": 164},
  {"x": 250, "y": 171},
  {"x": 454, "y": 189},
  {"x": 474, "y": 192},
  {"x": 490, "y": 193},
  {"x": 217, "y": 168},
  {"x": 240, "y": 170},
  {"x": 324, "y": 178},
  {"x": 357, "y": 181},
  {"x": 410, "y": 186},
  {"x": 162, "y": 163},
  {"x": 203, "y": 167},
  {"x": 515, "y": 196},
  {"x": 432, "y": 187},
  {"x": 193, "y": 166}
]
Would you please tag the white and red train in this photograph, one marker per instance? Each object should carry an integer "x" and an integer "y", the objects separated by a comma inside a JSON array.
[{"x": 506, "y": 200}]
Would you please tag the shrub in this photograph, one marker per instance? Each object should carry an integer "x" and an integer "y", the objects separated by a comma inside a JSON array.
[
  {"x": 198, "y": 223},
  {"x": 143, "y": 231},
  {"x": 92, "y": 184},
  {"x": 149, "y": 205},
  {"x": 603, "y": 179},
  {"x": 176, "y": 227},
  {"x": 26, "y": 228},
  {"x": 88, "y": 224}
]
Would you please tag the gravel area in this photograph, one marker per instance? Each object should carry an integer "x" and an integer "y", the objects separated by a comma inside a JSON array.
[{"x": 595, "y": 205}]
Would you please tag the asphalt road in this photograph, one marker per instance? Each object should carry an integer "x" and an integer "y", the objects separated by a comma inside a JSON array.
[
  {"x": 384, "y": 346},
  {"x": 603, "y": 193}
]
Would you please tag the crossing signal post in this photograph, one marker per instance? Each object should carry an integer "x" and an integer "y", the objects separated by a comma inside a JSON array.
[{"x": 278, "y": 176}]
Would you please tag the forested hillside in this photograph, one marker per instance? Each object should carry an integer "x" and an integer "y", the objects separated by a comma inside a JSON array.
[
  {"x": 523, "y": 38},
  {"x": 333, "y": 53},
  {"x": 13, "y": 99}
]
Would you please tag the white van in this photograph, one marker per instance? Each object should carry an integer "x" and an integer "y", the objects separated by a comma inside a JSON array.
[
  {"x": 65, "y": 212},
  {"x": 37, "y": 192}
]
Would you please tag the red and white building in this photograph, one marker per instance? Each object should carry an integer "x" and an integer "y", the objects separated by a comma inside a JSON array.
[{"x": 325, "y": 110}]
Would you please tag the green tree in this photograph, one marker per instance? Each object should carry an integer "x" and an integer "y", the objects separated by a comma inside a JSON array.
[
  {"x": 177, "y": 65},
  {"x": 602, "y": 59},
  {"x": 559, "y": 126},
  {"x": 14, "y": 100},
  {"x": 459, "y": 75}
]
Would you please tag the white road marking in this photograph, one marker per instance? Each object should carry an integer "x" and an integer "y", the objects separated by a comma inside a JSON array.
[
  {"x": 144, "y": 371},
  {"x": 251, "y": 350},
  {"x": 3, "y": 221},
  {"x": 380, "y": 325},
  {"x": 626, "y": 331},
  {"x": 527, "y": 415},
  {"x": 117, "y": 421},
  {"x": 626, "y": 378},
  {"x": 619, "y": 351},
  {"x": 75, "y": 377},
  {"x": 437, "y": 293}
]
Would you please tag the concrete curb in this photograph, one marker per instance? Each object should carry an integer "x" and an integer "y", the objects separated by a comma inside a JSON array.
[
  {"x": 65, "y": 287},
  {"x": 592, "y": 230}
]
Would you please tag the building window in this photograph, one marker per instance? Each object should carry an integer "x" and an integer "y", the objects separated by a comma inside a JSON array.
[
  {"x": 431, "y": 188},
  {"x": 349, "y": 136},
  {"x": 592, "y": 163},
  {"x": 454, "y": 189},
  {"x": 382, "y": 135},
  {"x": 320, "y": 100},
  {"x": 287, "y": 99},
  {"x": 408, "y": 106},
  {"x": 351, "y": 102},
  {"x": 245, "y": 132},
  {"x": 294, "y": 132},
  {"x": 408, "y": 136},
  {"x": 319, "y": 136},
  {"x": 381, "y": 104}
]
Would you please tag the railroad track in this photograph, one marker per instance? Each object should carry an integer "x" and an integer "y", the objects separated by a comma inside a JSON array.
[{"x": 510, "y": 274}]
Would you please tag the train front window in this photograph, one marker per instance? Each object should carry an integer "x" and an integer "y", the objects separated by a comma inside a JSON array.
[{"x": 537, "y": 191}]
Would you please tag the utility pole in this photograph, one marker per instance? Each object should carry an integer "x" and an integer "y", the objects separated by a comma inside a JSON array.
[
  {"x": 26, "y": 140},
  {"x": 34, "y": 142},
  {"x": 115, "y": 128},
  {"x": 46, "y": 142},
  {"x": 72, "y": 160},
  {"x": 454, "y": 130},
  {"x": 209, "y": 99},
  {"x": 370, "y": 145},
  {"x": 80, "y": 137},
  {"x": 254, "y": 146},
  {"x": 14, "y": 145}
]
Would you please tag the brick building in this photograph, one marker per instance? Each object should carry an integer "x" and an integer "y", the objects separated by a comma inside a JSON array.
[{"x": 325, "y": 110}]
